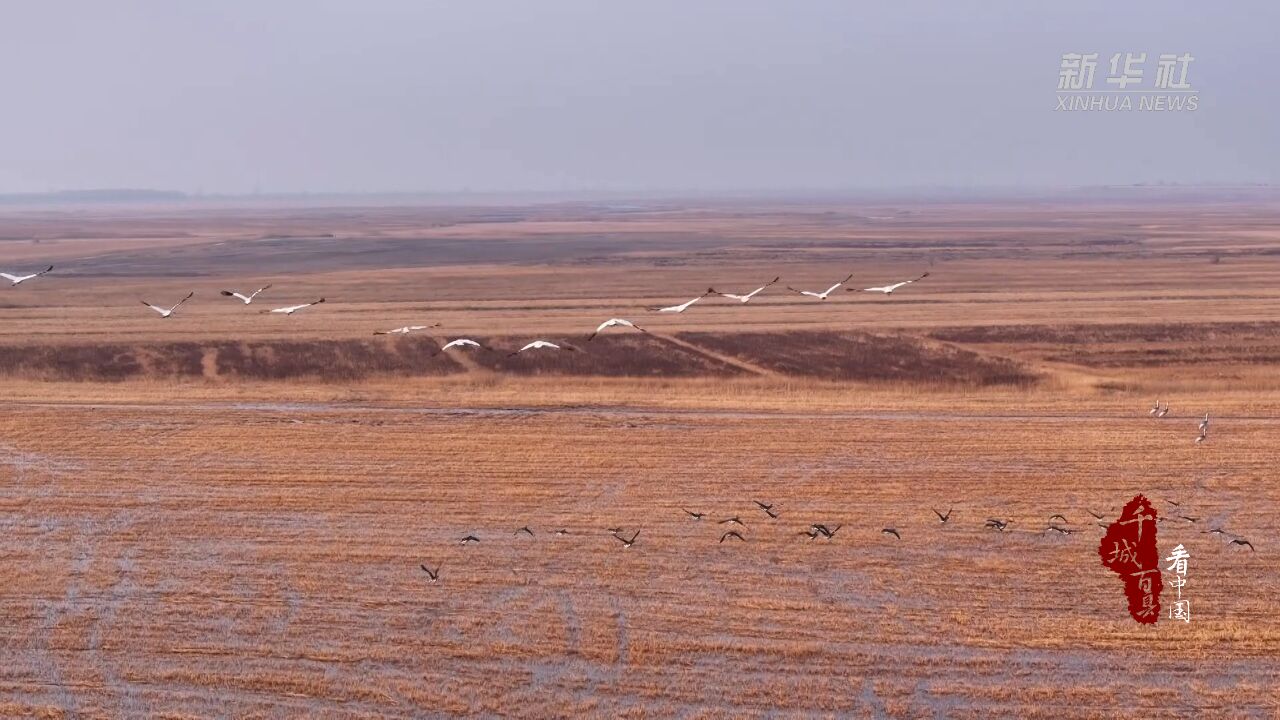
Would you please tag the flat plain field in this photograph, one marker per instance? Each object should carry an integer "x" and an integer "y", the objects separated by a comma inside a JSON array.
[{"x": 224, "y": 513}]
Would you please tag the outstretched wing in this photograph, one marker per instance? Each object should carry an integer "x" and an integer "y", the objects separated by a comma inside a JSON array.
[
  {"x": 683, "y": 306},
  {"x": 188, "y": 297}
]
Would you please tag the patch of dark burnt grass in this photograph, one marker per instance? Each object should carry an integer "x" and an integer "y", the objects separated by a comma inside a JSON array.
[
  {"x": 1157, "y": 357},
  {"x": 859, "y": 356},
  {"x": 1080, "y": 334},
  {"x": 332, "y": 360},
  {"x": 621, "y": 355},
  {"x": 70, "y": 362},
  {"x": 171, "y": 359},
  {"x": 325, "y": 360}
]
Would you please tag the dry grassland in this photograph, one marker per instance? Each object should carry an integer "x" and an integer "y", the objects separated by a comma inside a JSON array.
[{"x": 223, "y": 514}]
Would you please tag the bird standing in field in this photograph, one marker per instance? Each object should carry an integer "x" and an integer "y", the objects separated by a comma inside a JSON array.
[
  {"x": 1155, "y": 409},
  {"x": 168, "y": 312},
  {"x": 888, "y": 289},
  {"x": 747, "y": 298},
  {"x": 821, "y": 295},
  {"x": 405, "y": 330},
  {"x": 246, "y": 299},
  {"x": 541, "y": 344},
  {"x": 292, "y": 308},
  {"x": 614, "y": 322},
  {"x": 1163, "y": 411},
  {"x": 1204, "y": 434},
  {"x": 683, "y": 306},
  {"x": 15, "y": 280},
  {"x": 1204, "y": 425}
]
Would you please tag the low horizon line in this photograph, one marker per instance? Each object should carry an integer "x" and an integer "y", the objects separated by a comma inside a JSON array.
[{"x": 126, "y": 194}]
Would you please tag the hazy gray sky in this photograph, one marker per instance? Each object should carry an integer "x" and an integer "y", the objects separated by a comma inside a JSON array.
[{"x": 410, "y": 95}]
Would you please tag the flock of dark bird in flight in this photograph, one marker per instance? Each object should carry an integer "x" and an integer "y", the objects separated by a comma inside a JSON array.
[{"x": 1056, "y": 523}]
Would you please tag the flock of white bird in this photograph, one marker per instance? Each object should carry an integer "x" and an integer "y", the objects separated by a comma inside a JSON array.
[{"x": 466, "y": 343}]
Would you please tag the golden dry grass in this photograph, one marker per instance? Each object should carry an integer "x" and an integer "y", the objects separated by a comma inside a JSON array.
[{"x": 246, "y": 543}]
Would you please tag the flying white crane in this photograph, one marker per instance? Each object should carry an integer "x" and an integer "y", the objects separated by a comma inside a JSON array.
[
  {"x": 246, "y": 299},
  {"x": 747, "y": 298},
  {"x": 404, "y": 330},
  {"x": 293, "y": 308},
  {"x": 459, "y": 343},
  {"x": 539, "y": 344},
  {"x": 614, "y": 322},
  {"x": 16, "y": 279},
  {"x": 888, "y": 289},
  {"x": 684, "y": 306},
  {"x": 167, "y": 312},
  {"x": 822, "y": 295}
]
